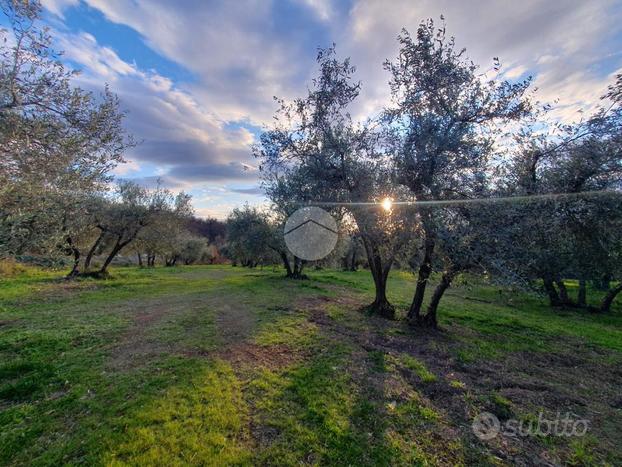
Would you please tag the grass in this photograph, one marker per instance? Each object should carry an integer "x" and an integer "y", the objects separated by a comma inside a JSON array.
[
  {"x": 214, "y": 365},
  {"x": 200, "y": 420},
  {"x": 419, "y": 368}
]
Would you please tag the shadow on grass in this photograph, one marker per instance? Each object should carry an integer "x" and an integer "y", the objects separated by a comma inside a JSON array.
[{"x": 347, "y": 399}]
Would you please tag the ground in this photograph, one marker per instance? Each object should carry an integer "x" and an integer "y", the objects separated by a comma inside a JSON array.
[{"x": 228, "y": 366}]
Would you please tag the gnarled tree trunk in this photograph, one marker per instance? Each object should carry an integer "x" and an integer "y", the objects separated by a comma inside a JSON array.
[
  {"x": 563, "y": 293},
  {"x": 91, "y": 253},
  {"x": 551, "y": 291},
  {"x": 353, "y": 266},
  {"x": 425, "y": 269},
  {"x": 286, "y": 264},
  {"x": 118, "y": 246},
  {"x": 299, "y": 265},
  {"x": 380, "y": 273},
  {"x": 582, "y": 295},
  {"x": 605, "y": 305},
  {"x": 115, "y": 250},
  {"x": 430, "y": 317},
  {"x": 75, "y": 270}
]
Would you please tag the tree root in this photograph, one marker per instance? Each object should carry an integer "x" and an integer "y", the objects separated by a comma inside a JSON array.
[{"x": 383, "y": 309}]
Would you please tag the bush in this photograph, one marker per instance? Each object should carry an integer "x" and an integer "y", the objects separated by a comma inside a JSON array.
[{"x": 42, "y": 261}]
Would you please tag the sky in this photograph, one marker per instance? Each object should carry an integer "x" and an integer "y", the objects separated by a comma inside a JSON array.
[{"x": 197, "y": 77}]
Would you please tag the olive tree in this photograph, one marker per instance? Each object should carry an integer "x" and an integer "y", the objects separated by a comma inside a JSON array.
[
  {"x": 575, "y": 234},
  {"x": 285, "y": 188},
  {"x": 444, "y": 118},
  {"x": 193, "y": 249},
  {"x": 112, "y": 222},
  {"x": 167, "y": 231},
  {"x": 325, "y": 158},
  {"x": 250, "y": 237},
  {"x": 57, "y": 141}
]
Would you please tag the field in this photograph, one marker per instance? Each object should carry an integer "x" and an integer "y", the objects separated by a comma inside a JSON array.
[{"x": 215, "y": 365}]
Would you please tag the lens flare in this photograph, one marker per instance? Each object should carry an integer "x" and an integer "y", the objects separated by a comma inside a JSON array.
[{"x": 387, "y": 204}]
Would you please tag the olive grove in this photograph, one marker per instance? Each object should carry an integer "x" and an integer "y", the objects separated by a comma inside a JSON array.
[{"x": 452, "y": 144}]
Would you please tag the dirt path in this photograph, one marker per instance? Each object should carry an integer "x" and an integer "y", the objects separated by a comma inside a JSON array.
[
  {"x": 139, "y": 343},
  {"x": 204, "y": 321},
  {"x": 234, "y": 323}
]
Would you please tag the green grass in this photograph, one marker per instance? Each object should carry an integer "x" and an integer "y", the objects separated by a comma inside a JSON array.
[
  {"x": 220, "y": 365},
  {"x": 418, "y": 367},
  {"x": 199, "y": 421}
]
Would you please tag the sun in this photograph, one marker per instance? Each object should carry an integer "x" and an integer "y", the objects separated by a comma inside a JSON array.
[{"x": 387, "y": 204}]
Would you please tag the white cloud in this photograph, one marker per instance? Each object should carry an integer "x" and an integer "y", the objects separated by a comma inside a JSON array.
[
  {"x": 185, "y": 141},
  {"x": 57, "y": 6},
  {"x": 242, "y": 53},
  {"x": 544, "y": 59},
  {"x": 515, "y": 72},
  {"x": 241, "y": 56},
  {"x": 322, "y": 8},
  {"x": 126, "y": 168},
  {"x": 103, "y": 62},
  {"x": 558, "y": 42}
]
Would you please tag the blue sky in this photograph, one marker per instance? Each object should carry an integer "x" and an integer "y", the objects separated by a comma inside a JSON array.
[{"x": 197, "y": 77}]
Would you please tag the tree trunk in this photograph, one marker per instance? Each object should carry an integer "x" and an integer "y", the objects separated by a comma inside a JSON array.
[
  {"x": 422, "y": 280},
  {"x": 353, "y": 263},
  {"x": 430, "y": 318},
  {"x": 381, "y": 305},
  {"x": 89, "y": 256},
  {"x": 288, "y": 266},
  {"x": 380, "y": 273},
  {"x": 605, "y": 305},
  {"x": 563, "y": 293},
  {"x": 119, "y": 245},
  {"x": 582, "y": 295},
  {"x": 115, "y": 250},
  {"x": 551, "y": 291},
  {"x": 140, "y": 259},
  {"x": 76, "y": 259},
  {"x": 298, "y": 267}
]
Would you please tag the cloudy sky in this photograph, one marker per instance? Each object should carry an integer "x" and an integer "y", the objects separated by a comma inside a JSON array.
[{"x": 198, "y": 76}]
